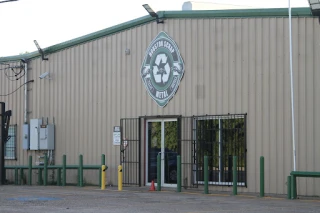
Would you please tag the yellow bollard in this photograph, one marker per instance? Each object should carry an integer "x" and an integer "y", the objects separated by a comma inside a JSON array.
[
  {"x": 119, "y": 178},
  {"x": 103, "y": 177}
]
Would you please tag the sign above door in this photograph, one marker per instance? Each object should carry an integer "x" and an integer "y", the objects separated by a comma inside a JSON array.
[{"x": 162, "y": 69}]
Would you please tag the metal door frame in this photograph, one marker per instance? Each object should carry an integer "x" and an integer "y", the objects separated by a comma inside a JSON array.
[{"x": 162, "y": 120}]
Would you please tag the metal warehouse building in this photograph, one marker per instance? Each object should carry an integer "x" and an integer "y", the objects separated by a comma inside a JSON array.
[{"x": 202, "y": 83}]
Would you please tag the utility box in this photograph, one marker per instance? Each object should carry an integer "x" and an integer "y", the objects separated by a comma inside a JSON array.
[
  {"x": 34, "y": 133},
  {"x": 25, "y": 136},
  {"x": 41, "y": 136},
  {"x": 47, "y": 137}
]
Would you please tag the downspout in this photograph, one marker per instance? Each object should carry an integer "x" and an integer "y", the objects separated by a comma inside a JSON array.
[
  {"x": 292, "y": 92},
  {"x": 25, "y": 91}
]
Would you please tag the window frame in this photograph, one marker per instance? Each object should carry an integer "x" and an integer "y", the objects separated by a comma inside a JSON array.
[
  {"x": 13, "y": 148},
  {"x": 220, "y": 130}
]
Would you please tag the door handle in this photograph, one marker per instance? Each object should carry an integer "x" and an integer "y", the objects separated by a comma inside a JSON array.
[{"x": 162, "y": 155}]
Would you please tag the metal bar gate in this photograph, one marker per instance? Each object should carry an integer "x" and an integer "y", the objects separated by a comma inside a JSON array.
[{"x": 130, "y": 151}]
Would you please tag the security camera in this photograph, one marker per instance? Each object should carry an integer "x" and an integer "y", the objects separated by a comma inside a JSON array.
[{"x": 44, "y": 75}]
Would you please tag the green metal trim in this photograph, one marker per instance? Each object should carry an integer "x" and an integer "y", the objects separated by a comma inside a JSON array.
[
  {"x": 305, "y": 174},
  {"x": 246, "y": 13}
]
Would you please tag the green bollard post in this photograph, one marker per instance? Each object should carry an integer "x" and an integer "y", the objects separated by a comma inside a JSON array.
[
  {"x": 293, "y": 187},
  {"x": 59, "y": 177},
  {"x": 45, "y": 172},
  {"x": 261, "y": 176},
  {"x": 64, "y": 169},
  {"x": 235, "y": 178},
  {"x": 16, "y": 176},
  {"x": 206, "y": 175},
  {"x": 159, "y": 172},
  {"x": 178, "y": 173},
  {"x": 30, "y": 171},
  {"x": 21, "y": 176},
  {"x": 39, "y": 176},
  {"x": 80, "y": 170},
  {"x": 289, "y": 187}
]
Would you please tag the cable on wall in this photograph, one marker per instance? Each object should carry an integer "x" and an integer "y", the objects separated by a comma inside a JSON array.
[{"x": 31, "y": 81}]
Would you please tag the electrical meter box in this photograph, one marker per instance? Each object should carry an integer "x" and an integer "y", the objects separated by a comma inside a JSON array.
[
  {"x": 46, "y": 137},
  {"x": 41, "y": 136}
]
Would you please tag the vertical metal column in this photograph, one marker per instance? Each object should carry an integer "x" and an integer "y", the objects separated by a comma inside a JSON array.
[
  {"x": 159, "y": 172},
  {"x": 45, "y": 170},
  {"x": 179, "y": 173},
  {"x": 289, "y": 187},
  {"x": 64, "y": 166},
  {"x": 235, "y": 178},
  {"x": 80, "y": 170},
  {"x": 206, "y": 175},
  {"x": 30, "y": 171},
  {"x": 261, "y": 176},
  {"x": 2, "y": 172}
]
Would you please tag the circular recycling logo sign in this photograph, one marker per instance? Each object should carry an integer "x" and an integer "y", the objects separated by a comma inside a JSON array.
[{"x": 162, "y": 69}]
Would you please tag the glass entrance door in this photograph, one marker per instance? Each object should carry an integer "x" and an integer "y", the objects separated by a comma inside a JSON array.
[{"x": 162, "y": 138}]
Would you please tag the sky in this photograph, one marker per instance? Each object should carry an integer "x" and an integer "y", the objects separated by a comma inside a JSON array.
[{"x": 51, "y": 22}]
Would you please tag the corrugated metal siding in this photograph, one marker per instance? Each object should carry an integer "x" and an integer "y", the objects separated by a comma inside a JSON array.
[{"x": 231, "y": 66}]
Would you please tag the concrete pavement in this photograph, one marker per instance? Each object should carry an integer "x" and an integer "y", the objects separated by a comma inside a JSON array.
[{"x": 73, "y": 199}]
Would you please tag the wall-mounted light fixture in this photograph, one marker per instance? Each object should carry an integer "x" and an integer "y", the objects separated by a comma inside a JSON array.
[
  {"x": 315, "y": 7},
  {"x": 45, "y": 75},
  {"x": 40, "y": 50},
  {"x": 152, "y": 13}
]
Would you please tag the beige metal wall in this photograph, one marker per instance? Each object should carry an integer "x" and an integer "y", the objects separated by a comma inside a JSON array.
[{"x": 231, "y": 66}]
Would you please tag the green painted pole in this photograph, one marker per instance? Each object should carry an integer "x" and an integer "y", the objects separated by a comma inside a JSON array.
[
  {"x": 261, "y": 176},
  {"x": 21, "y": 176},
  {"x": 159, "y": 172},
  {"x": 64, "y": 169},
  {"x": 293, "y": 187},
  {"x": 80, "y": 170},
  {"x": 59, "y": 177},
  {"x": 39, "y": 176},
  {"x": 16, "y": 176},
  {"x": 30, "y": 171},
  {"x": 289, "y": 187},
  {"x": 179, "y": 173},
  {"x": 45, "y": 172},
  {"x": 235, "y": 180},
  {"x": 103, "y": 162},
  {"x": 206, "y": 175}
]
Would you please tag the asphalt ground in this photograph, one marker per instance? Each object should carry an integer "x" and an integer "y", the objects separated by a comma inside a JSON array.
[{"x": 71, "y": 199}]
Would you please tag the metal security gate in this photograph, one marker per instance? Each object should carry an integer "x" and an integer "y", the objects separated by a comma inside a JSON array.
[
  {"x": 130, "y": 151},
  {"x": 220, "y": 137}
]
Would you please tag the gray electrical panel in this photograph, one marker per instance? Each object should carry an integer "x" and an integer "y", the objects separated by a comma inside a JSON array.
[
  {"x": 25, "y": 136},
  {"x": 34, "y": 133},
  {"x": 47, "y": 137},
  {"x": 41, "y": 136}
]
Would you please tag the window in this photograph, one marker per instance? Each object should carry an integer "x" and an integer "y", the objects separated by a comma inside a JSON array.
[
  {"x": 10, "y": 145},
  {"x": 220, "y": 138}
]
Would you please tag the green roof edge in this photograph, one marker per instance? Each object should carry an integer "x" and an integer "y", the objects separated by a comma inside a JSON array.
[{"x": 242, "y": 13}]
